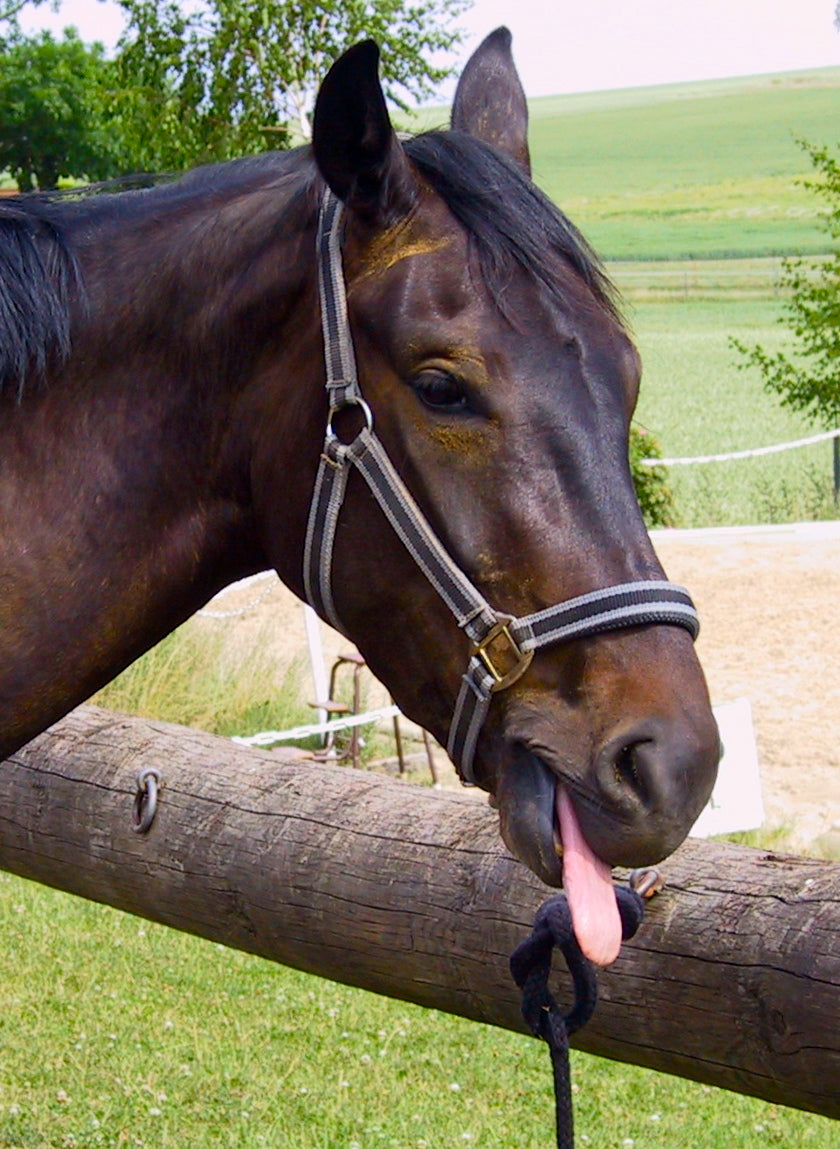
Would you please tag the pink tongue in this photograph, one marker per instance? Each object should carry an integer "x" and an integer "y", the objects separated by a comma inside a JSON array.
[{"x": 589, "y": 889}]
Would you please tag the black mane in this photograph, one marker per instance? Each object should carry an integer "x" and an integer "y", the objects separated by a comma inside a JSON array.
[
  {"x": 510, "y": 220},
  {"x": 38, "y": 273}
]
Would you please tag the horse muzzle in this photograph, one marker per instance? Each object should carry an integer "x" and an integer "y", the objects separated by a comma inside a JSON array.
[{"x": 635, "y": 801}]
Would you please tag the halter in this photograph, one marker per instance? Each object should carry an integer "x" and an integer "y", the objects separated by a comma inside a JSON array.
[{"x": 503, "y": 646}]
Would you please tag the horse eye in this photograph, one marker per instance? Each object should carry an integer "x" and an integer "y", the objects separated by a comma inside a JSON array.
[{"x": 440, "y": 391}]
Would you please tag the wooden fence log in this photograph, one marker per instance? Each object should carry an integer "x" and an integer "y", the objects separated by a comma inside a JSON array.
[{"x": 734, "y": 979}]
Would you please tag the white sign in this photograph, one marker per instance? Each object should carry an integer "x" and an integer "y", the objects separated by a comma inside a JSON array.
[{"x": 736, "y": 802}]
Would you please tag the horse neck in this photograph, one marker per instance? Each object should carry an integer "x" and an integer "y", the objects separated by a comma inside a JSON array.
[
  {"x": 125, "y": 487},
  {"x": 203, "y": 301}
]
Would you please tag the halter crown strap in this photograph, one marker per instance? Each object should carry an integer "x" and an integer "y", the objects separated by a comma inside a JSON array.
[
  {"x": 503, "y": 646},
  {"x": 342, "y": 378}
]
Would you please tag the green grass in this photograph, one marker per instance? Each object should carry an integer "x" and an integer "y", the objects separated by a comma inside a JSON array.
[
  {"x": 701, "y": 170},
  {"x": 697, "y": 401},
  {"x": 118, "y": 1032},
  {"x": 689, "y": 170},
  {"x": 201, "y": 676},
  {"x": 217, "y": 678}
]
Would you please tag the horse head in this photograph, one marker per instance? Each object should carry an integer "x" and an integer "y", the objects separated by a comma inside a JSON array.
[{"x": 501, "y": 380}]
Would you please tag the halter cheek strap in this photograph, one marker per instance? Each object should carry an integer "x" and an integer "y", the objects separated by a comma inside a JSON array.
[{"x": 503, "y": 646}]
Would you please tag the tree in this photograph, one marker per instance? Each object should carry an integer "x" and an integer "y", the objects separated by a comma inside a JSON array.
[
  {"x": 51, "y": 109},
  {"x": 225, "y": 77},
  {"x": 810, "y": 380}
]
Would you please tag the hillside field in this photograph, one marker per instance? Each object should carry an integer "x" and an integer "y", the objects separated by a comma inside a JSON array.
[{"x": 699, "y": 170}]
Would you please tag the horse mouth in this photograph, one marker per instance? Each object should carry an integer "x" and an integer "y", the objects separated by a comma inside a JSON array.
[
  {"x": 541, "y": 823},
  {"x": 526, "y": 800}
]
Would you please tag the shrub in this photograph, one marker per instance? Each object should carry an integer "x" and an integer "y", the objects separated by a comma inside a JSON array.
[{"x": 655, "y": 496}]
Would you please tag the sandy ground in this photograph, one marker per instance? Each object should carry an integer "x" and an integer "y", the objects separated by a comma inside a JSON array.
[{"x": 769, "y": 602}]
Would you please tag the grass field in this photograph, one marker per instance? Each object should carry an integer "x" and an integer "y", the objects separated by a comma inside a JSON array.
[
  {"x": 697, "y": 401},
  {"x": 694, "y": 171}
]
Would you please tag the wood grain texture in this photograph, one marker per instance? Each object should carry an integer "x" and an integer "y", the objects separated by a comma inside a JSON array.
[{"x": 734, "y": 979}]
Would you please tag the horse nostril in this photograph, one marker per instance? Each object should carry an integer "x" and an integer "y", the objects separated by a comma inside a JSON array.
[
  {"x": 653, "y": 772},
  {"x": 649, "y": 783},
  {"x": 641, "y": 774},
  {"x": 627, "y": 772}
]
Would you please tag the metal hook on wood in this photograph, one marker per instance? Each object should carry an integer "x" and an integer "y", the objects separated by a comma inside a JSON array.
[
  {"x": 646, "y": 881},
  {"x": 145, "y": 800}
]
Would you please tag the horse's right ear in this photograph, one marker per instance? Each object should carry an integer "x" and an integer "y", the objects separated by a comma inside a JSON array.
[{"x": 355, "y": 146}]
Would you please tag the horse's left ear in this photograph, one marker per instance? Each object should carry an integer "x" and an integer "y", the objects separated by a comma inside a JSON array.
[
  {"x": 355, "y": 146},
  {"x": 490, "y": 102}
]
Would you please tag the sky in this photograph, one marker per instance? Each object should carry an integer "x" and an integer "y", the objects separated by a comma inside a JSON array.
[{"x": 587, "y": 45}]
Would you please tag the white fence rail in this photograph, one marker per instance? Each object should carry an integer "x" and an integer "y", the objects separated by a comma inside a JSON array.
[{"x": 752, "y": 453}]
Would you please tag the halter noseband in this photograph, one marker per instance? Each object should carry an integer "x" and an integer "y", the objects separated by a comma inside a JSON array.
[{"x": 503, "y": 646}]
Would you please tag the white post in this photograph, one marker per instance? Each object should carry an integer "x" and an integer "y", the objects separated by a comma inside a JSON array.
[{"x": 320, "y": 680}]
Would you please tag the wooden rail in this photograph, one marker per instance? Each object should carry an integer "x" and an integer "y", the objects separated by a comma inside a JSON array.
[{"x": 734, "y": 979}]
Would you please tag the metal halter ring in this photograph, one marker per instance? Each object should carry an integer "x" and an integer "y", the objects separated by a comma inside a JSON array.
[{"x": 350, "y": 401}]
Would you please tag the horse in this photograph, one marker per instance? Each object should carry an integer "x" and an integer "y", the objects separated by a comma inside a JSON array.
[{"x": 165, "y": 361}]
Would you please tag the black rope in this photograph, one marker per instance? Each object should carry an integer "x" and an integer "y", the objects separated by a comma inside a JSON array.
[{"x": 530, "y": 965}]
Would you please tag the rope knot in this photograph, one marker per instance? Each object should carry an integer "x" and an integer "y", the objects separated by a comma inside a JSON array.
[{"x": 530, "y": 965}]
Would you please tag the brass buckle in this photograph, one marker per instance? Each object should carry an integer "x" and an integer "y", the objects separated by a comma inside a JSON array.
[{"x": 497, "y": 649}]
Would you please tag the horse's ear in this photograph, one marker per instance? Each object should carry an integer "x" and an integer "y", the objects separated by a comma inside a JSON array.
[
  {"x": 489, "y": 100},
  {"x": 355, "y": 146}
]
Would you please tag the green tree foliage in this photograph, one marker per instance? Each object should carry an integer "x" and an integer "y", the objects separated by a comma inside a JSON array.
[
  {"x": 222, "y": 78},
  {"x": 651, "y": 482},
  {"x": 51, "y": 109},
  {"x": 809, "y": 381}
]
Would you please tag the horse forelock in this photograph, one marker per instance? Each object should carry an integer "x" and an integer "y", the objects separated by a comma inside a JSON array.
[{"x": 510, "y": 219}]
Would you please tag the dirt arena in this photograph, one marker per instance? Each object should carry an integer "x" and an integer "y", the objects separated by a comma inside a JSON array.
[{"x": 769, "y": 602}]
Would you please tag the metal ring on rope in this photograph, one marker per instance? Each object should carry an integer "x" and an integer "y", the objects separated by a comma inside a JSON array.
[{"x": 145, "y": 800}]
